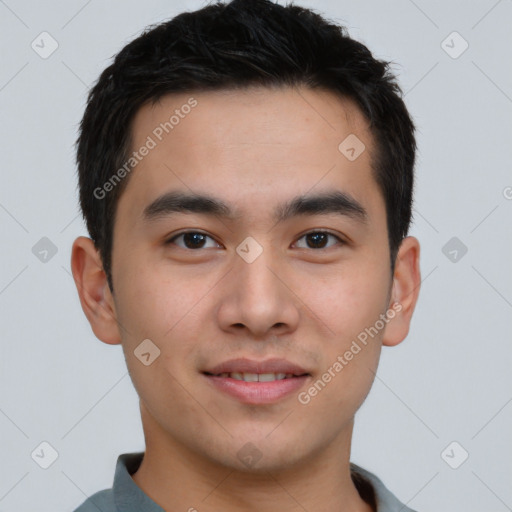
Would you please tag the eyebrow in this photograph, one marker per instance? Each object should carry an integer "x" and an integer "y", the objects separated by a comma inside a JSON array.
[{"x": 336, "y": 202}]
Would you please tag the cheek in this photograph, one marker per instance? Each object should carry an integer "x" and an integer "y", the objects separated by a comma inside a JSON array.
[
  {"x": 153, "y": 300},
  {"x": 349, "y": 299},
  {"x": 348, "y": 304},
  {"x": 164, "y": 307}
]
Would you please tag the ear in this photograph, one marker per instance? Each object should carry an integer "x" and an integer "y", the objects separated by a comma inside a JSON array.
[
  {"x": 94, "y": 291},
  {"x": 405, "y": 291}
]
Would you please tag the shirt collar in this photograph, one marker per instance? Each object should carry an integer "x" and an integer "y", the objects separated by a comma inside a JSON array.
[
  {"x": 378, "y": 494},
  {"x": 128, "y": 496}
]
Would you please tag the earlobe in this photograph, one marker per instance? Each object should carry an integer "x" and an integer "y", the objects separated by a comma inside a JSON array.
[
  {"x": 93, "y": 291},
  {"x": 406, "y": 287}
]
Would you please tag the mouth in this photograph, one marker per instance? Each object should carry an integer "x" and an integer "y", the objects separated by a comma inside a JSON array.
[
  {"x": 255, "y": 377},
  {"x": 257, "y": 382}
]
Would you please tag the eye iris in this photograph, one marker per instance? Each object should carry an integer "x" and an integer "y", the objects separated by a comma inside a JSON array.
[
  {"x": 193, "y": 240},
  {"x": 318, "y": 239}
]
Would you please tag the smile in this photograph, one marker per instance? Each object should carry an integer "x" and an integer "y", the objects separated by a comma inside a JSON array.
[
  {"x": 255, "y": 377},
  {"x": 257, "y": 389}
]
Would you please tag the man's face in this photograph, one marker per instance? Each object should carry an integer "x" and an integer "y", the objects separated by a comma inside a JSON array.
[{"x": 251, "y": 285}]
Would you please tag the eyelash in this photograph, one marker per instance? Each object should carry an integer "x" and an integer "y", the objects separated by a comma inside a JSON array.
[{"x": 326, "y": 232}]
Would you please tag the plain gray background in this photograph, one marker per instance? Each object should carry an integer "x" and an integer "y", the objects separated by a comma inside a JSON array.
[{"x": 449, "y": 381}]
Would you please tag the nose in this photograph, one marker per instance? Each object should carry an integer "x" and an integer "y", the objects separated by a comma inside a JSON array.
[{"x": 257, "y": 297}]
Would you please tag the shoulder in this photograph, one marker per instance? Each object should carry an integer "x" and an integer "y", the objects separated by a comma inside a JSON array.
[{"x": 101, "y": 500}]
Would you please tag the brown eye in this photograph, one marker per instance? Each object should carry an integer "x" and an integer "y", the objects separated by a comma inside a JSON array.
[
  {"x": 192, "y": 240},
  {"x": 318, "y": 240}
]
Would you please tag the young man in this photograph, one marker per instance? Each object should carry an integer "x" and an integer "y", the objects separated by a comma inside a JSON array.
[{"x": 246, "y": 176}]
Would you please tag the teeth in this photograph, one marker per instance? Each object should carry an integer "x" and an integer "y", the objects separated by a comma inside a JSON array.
[
  {"x": 269, "y": 377},
  {"x": 257, "y": 377}
]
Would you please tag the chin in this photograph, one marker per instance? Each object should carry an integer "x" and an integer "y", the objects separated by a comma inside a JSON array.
[{"x": 261, "y": 453}]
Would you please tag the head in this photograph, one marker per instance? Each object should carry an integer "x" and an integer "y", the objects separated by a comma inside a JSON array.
[{"x": 302, "y": 150}]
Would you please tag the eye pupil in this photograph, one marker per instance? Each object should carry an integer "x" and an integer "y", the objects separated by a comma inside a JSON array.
[
  {"x": 193, "y": 240},
  {"x": 317, "y": 239}
]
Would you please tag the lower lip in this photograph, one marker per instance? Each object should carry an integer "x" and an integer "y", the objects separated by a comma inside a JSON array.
[{"x": 257, "y": 392}]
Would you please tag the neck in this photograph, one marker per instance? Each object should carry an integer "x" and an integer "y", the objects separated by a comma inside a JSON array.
[{"x": 177, "y": 478}]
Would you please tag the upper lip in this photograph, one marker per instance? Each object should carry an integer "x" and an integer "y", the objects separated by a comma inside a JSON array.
[{"x": 243, "y": 365}]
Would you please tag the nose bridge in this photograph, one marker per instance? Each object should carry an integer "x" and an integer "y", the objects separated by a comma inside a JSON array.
[
  {"x": 255, "y": 276},
  {"x": 259, "y": 298}
]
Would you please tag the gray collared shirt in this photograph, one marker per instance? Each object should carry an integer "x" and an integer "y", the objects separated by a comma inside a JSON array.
[{"x": 126, "y": 496}]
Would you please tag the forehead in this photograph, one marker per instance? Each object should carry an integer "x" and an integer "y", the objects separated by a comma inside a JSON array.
[
  {"x": 255, "y": 115},
  {"x": 238, "y": 143}
]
